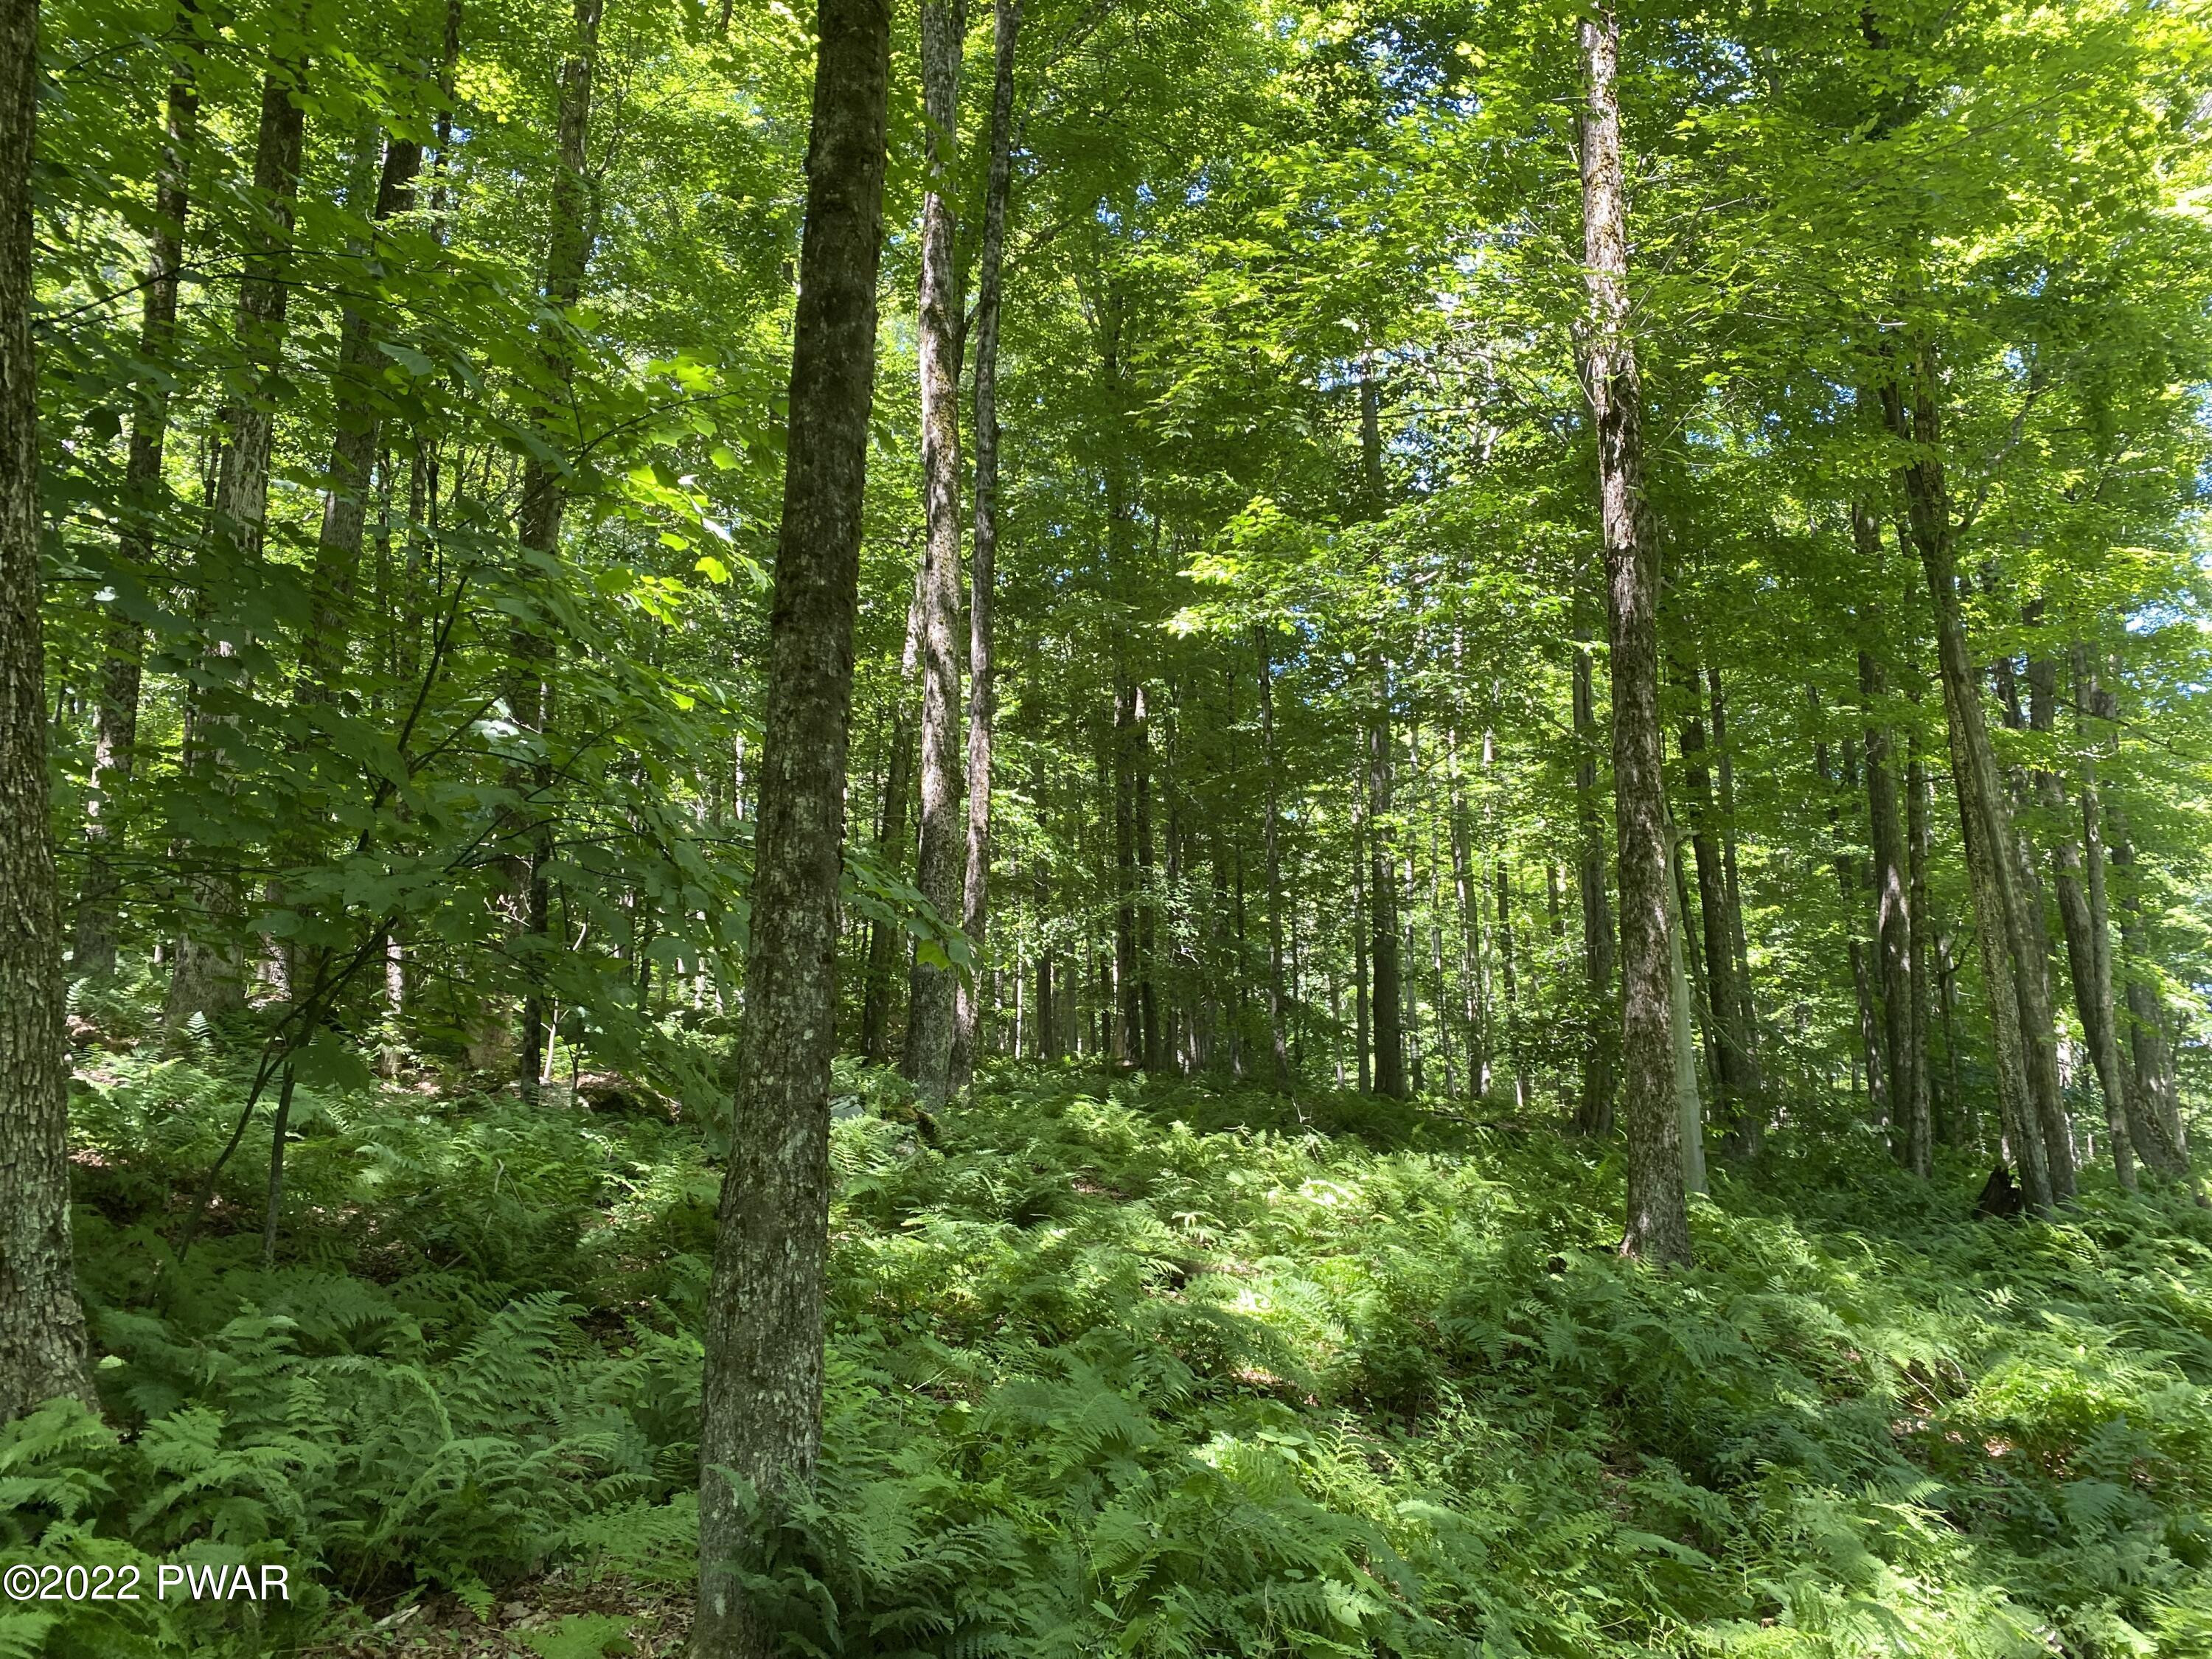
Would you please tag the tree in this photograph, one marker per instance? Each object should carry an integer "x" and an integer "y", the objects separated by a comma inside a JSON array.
[
  {"x": 761, "y": 1406},
  {"x": 982, "y": 692},
  {"x": 1658, "y": 1216},
  {"x": 933, "y": 1000},
  {"x": 42, "y": 1336}
]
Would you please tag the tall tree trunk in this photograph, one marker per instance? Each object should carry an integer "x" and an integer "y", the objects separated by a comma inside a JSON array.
[
  {"x": 1658, "y": 1220},
  {"x": 2088, "y": 969},
  {"x": 1687, "y": 1105},
  {"x": 1594, "y": 1108},
  {"x": 1462, "y": 855},
  {"x": 1870, "y": 1061},
  {"x": 1282, "y": 1060},
  {"x": 1141, "y": 778},
  {"x": 1509, "y": 982},
  {"x": 115, "y": 730},
  {"x": 2153, "y": 1143},
  {"x": 2027, "y": 1080},
  {"x": 353, "y": 444},
  {"x": 883, "y": 937},
  {"x": 1732, "y": 1046},
  {"x": 1362, "y": 1037},
  {"x": 1128, "y": 1038},
  {"x": 933, "y": 997},
  {"x": 1387, "y": 1001},
  {"x": 1916, "y": 840},
  {"x": 982, "y": 697},
  {"x": 2158, "y": 1107},
  {"x": 42, "y": 1337},
  {"x": 1908, "y": 1104},
  {"x": 538, "y": 528},
  {"x": 1747, "y": 1134},
  {"x": 761, "y": 1408},
  {"x": 208, "y": 975},
  {"x": 1047, "y": 1010},
  {"x": 1964, "y": 1124}
]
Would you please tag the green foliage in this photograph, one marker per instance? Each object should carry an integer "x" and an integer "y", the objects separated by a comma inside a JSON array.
[{"x": 1157, "y": 1370}]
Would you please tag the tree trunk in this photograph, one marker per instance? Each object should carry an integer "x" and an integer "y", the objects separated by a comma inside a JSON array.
[
  {"x": 1869, "y": 1061},
  {"x": 761, "y": 1405},
  {"x": 1732, "y": 1047},
  {"x": 1047, "y": 1011},
  {"x": 353, "y": 446},
  {"x": 208, "y": 978},
  {"x": 2155, "y": 1144},
  {"x": 1363, "y": 1040},
  {"x": 2027, "y": 1082},
  {"x": 538, "y": 528},
  {"x": 982, "y": 697},
  {"x": 1690, "y": 1109},
  {"x": 1282, "y": 1060},
  {"x": 1141, "y": 780},
  {"x": 1387, "y": 1001},
  {"x": 2087, "y": 968},
  {"x": 933, "y": 996},
  {"x": 1128, "y": 1038},
  {"x": 877, "y": 997},
  {"x": 1916, "y": 839},
  {"x": 2158, "y": 1107},
  {"x": 1594, "y": 1108},
  {"x": 1509, "y": 982},
  {"x": 1908, "y": 1104},
  {"x": 1658, "y": 1222},
  {"x": 1747, "y": 1134},
  {"x": 115, "y": 730},
  {"x": 42, "y": 1336}
]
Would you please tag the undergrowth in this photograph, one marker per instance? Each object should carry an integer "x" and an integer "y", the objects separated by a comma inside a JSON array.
[{"x": 1137, "y": 1369}]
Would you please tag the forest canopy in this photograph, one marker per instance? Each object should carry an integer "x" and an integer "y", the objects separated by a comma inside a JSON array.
[{"x": 1071, "y": 827}]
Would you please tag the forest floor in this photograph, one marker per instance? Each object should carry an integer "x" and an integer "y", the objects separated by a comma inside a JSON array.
[{"x": 1157, "y": 1369}]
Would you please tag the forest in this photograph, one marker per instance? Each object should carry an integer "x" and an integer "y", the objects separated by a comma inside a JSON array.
[{"x": 1310, "y": 829}]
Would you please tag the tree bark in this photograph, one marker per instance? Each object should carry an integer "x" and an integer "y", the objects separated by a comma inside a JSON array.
[
  {"x": 2088, "y": 969},
  {"x": 2157, "y": 1104},
  {"x": 1509, "y": 982},
  {"x": 876, "y": 1010},
  {"x": 933, "y": 996},
  {"x": 2027, "y": 1085},
  {"x": 354, "y": 443},
  {"x": 1140, "y": 778},
  {"x": 1732, "y": 1064},
  {"x": 115, "y": 730},
  {"x": 1364, "y": 1076},
  {"x": 1387, "y": 1003},
  {"x": 761, "y": 1401},
  {"x": 1127, "y": 1042},
  {"x": 1594, "y": 1108},
  {"x": 1047, "y": 1010},
  {"x": 983, "y": 699},
  {"x": 42, "y": 1335},
  {"x": 1871, "y": 1061},
  {"x": 1908, "y": 1103},
  {"x": 538, "y": 525},
  {"x": 1917, "y": 925},
  {"x": 1687, "y": 1104},
  {"x": 1387, "y": 1000},
  {"x": 1281, "y": 1054},
  {"x": 208, "y": 978},
  {"x": 1748, "y": 1132},
  {"x": 1658, "y": 1222}
]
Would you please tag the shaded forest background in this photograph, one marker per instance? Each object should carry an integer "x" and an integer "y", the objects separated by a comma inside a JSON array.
[{"x": 1261, "y": 798}]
